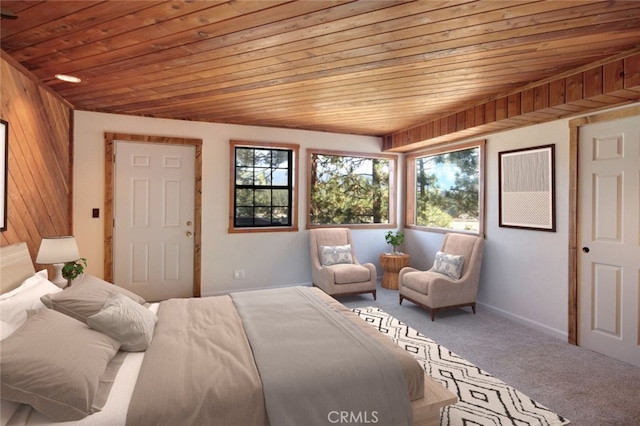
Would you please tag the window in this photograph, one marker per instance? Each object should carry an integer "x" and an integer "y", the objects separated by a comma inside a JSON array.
[
  {"x": 445, "y": 189},
  {"x": 351, "y": 189},
  {"x": 263, "y": 195}
]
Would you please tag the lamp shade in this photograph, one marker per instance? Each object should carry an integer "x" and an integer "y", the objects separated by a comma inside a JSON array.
[{"x": 58, "y": 250}]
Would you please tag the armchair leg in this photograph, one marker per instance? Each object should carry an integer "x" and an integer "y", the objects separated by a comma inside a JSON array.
[
  {"x": 433, "y": 314},
  {"x": 401, "y": 299},
  {"x": 374, "y": 296},
  {"x": 473, "y": 308}
]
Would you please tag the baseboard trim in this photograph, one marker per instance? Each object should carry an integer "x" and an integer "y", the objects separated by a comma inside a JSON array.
[{"x": 558, "y": 334}]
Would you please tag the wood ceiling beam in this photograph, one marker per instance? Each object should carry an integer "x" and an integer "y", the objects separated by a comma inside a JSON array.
[{"x": 601, "y": 86}]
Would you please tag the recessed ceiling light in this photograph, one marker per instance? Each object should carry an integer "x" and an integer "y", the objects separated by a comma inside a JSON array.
[{"x": 68, "y": 78}]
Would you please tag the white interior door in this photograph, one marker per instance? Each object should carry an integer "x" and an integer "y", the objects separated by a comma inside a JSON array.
[
  {"x": 153, "y": 247},
  {"x": 609, "y": 214}
]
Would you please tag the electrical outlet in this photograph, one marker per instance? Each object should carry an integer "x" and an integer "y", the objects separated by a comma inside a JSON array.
[{"x": 238, "y": 274}]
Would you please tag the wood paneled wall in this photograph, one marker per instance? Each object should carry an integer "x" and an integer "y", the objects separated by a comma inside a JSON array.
[
  {"x": 613, "y": 83},
  {"x": 39, "y": 179}
]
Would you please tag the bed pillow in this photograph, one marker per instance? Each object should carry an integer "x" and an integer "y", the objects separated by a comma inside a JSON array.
[
  {"x": 54, "y": 363},
  {"x": 448, "y": 264},
  {"x": 14, "y": 304},
  {"x": 85, "y": 297},
  {"x": 128, "y": 322},
  {"x": 6, "y": 329},
  {"x": 334, "y": 255},
  {"x": 26, "y": 284}
]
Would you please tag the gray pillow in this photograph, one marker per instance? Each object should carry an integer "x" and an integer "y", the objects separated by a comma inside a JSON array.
[
  {"x": 85, "y": 297},
  {"x": 335, "y": 255},
  {"x": 55, "y": 364},
  {"x": 448, "y": 264},
  {"x": 128, "y": 322}
]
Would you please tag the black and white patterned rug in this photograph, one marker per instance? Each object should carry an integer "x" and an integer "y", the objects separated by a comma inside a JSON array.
[{"x": 483, "y": 399}]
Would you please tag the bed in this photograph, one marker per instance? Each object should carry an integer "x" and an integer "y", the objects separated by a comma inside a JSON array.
[{"x": 236, "y": 359}]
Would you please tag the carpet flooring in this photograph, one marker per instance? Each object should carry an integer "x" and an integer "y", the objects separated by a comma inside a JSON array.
[
  {"x": 482, "y": 399},
  {"x": 585, "y": 387}
]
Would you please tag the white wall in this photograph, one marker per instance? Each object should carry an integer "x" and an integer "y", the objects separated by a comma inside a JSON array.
[
  {"x": 525, "y": 272},
  {"x": 269, "y": 259}
]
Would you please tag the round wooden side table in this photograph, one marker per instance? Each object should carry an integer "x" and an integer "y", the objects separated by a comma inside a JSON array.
[{"x": 391, "y": 264}]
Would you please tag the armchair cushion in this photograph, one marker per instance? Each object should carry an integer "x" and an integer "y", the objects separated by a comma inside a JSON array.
[
  {"x": 334, "y": 255},
  {"x": 350, "y": 273},
  {"x": 345, "y": 275},
  {"x": 460, "y": 256},
  {"x": 419, "y": 280},
  {"x": 448, "y": 264}
]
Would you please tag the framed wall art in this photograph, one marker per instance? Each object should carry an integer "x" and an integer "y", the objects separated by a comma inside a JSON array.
[
  {"x": 4, "y": 154},
  {"x": 527, "y": 188}
]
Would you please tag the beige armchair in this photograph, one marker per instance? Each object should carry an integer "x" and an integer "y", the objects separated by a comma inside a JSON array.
[
  {"x": 436, "y": 290},
  {"x": 334, "y": 266}
]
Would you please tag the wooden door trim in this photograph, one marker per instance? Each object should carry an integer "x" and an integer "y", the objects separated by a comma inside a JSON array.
[
  {"x": 109, "y": 169},
  {"x": 574, "y": 133}
]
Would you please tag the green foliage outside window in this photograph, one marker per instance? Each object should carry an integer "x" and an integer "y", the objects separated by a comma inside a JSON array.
[
  {"x": 447, "y": 192},
  {"x": 349, "y": 190},
  {"x": 263, "y": 187}
]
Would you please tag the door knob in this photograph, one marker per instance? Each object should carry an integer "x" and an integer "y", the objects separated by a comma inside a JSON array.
[
  {"x": 189, "y": 223},
  {"x": 189, "y": 234},
  {"x": 585, "y": 249}
]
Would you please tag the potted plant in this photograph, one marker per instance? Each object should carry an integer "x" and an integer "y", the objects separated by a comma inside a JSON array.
[
  {"x": 72, "y": 270},
  {"x": 395, "y": 239}
]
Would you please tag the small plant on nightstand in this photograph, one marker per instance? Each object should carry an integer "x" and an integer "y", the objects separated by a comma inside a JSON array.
[
  {"x": 72, "y": 270},
  {"x": 395, "y": 239}
]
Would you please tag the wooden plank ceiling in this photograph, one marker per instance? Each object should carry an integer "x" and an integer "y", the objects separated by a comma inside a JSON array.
[{"x": 362, "y": 67}]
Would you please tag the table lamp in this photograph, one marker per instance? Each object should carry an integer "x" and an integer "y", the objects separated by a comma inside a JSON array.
[{"x": 57, "y": 251}]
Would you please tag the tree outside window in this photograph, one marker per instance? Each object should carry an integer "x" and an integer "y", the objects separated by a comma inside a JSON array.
[
  {"x": 263, "y": 194},
  {"x": 446, "y": 189},
  {"x": 350, "y": 189}
]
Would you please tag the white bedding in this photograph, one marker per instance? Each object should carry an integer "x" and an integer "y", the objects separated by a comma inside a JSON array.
[{"x": 113, "y": 413}]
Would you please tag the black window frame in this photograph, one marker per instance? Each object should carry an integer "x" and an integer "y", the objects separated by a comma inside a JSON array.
[{"x": 238, "y": 223}]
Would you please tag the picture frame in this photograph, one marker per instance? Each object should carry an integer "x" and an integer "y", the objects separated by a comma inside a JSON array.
[
  {"x": 4, "y": 155},
  {"x": 527, "y": 188}
]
